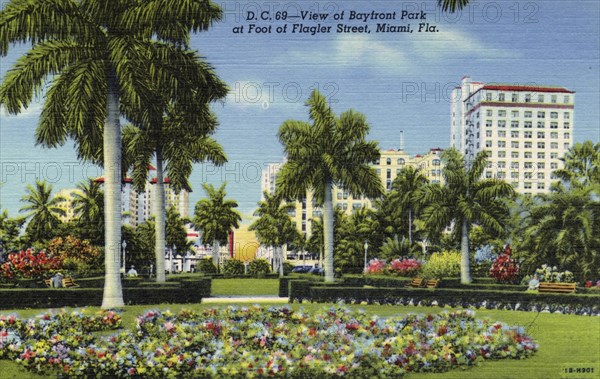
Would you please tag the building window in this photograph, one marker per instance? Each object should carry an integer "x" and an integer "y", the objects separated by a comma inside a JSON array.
[
  {"x": 488, "y": 174},
  {"x": 514, "y": 134},
  {"x": 388, "y": 185},
  {"x": 527, "y": 155},
  {"x": 514, "y": 144},
  {"x": 398, "y": 170},
  {"x": 540, "y": 124},
  {"x": 540, "y": 98},
  {"x": 541, "y": 165},
  {"x": 528, "y": 114},
  {"x": 501, "y": 134},
  {"x": 514, "y": 154},
  {"x": 345, "y": 195},
  {"x": 567, "y": 145},
  {"x": 566, "y": 115},
  {"x": 541, "y": 155},
  {"x": 378, "y": 171},
  {"x": 501, "y": 154},
  {"x": 489, "y": 113},
  {"x": 553, "y": 99},
  {"x": 436, "y": 162},
  {"x": 528, "y": 175},
  {"x": 501, "y": 144},
  {"x": 514, "y": 98},
  {"x": 528, "y": 165},
  {"x": 553, "y": 114},
  {"x": 553, "y": 135},
  {"x": 567, "y": 99},
  {"x": 554, "y": 125},
  {"x": 541, "y": 185},
  {"x": 501, "y": 124},
  {"x": 339, "y": 196},
  {"x": 388, "y": 174},
  {"x": 553, "y": 155},
  {"x": 488, "y": 133},
  {"x": 401, "y": 161},
  {"x": 514, "y": 175},
  {"x": 541, "y": 135},
  {"x": 501, "y": 164},
  {"x": 388, "y": 161},
  {"x": 541, "y": 114},
  {"x": 527, "y": 185},
  {"x": 501, "y": 175},
  {"x": 567, "y": 125},
  {"x": 528, "y": 134},
  {"x": 488, "y": 96},
  {"x": 527, "y": 124},
  {"x": 501, "y": 113},
  {"x": 501, "y": 97},
  {"x": 377, "y": 161},
  {"x": 488, "y": 123},
  {"x": 514, "y": 164},
  {"x": 541, "y": 145},
  {"x": 528, "y": 98},
  {"x": 554, "y": 145},
  {"x": 540, "y": 175},
  {"x": 567, "y": 135},
  {"x": 514, "y": 124},
  {"x": 554, "y": 166}
]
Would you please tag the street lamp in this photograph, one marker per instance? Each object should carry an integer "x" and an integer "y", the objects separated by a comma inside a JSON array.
[
  {"x": 124, "y": 244},
  {"x": 366, "y": 249}
]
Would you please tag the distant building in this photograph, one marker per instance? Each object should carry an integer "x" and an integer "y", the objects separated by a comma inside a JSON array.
[
  {"x": 388, "y": 166},
  {"x": 526, "y": 129},
  {"x": 67, "y": 203},
  {"x": 138, "y": 207}
]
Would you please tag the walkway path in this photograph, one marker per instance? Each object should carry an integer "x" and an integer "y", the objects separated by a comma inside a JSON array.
[{"x": 243, "y": 299}]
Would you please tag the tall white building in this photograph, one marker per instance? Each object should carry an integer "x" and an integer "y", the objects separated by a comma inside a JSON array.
[{"x": 524, "y": 128}]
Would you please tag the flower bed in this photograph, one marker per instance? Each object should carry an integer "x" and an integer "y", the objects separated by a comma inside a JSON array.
[{"x": 260, "y": 342}]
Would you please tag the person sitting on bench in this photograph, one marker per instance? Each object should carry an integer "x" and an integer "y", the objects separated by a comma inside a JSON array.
[{"x": 56, "y": 281}]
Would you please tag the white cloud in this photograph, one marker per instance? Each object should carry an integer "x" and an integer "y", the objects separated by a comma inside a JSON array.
[
  {"x": 33, "y": 111},
  {"x": 456, "y": 44}
]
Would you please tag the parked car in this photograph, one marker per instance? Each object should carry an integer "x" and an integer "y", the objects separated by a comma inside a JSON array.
[
  {"x": 316, "y": 271},
  {"x": 301, "y": 269}
]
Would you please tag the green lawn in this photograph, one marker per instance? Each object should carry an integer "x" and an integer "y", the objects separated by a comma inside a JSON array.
[
  {"x": 244, "y": 287},
  {"x": 563, "y": 339}
]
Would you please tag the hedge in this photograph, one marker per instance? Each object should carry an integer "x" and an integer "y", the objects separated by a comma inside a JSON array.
[
  {"x": 510, "y": 300},
  {"x": 184, "y": 291},
  {"x": 284, "y": 282}
]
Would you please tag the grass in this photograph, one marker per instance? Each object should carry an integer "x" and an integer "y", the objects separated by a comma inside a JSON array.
[
  {"x": 245, "y": 287},
  {"x": 563, "y": 339}
]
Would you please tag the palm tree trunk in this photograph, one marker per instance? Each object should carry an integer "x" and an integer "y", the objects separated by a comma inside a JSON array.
[
  {"x": 113, "y": 293},
  {"x": 410, "y": 227},
  {"x": 465, "y": 268},
  {"x": 216, "y": 251},
  {"x": 280, "y": 248},
  {"x": 328, "y": 232},
  {"x": 160, "y": 224}
]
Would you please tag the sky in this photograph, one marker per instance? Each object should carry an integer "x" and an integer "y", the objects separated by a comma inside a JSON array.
[{"x": 400, "y": 81}]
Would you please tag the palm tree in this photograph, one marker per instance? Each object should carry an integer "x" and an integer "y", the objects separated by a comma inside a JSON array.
[
  {"x": 452, "y": 5},
  {"x": 179, "y": 145},
  {"x": 274, "y": 227},
  {"x": 109, "y": 57},
  {"x": 89, "y": 209},
  {"x": 354, "y": 233},
  {"x": 330, "y": 151},
  {"x": 42, "y": 210},
  {"x": 176, "y": 234},
  {"x": 581, "y": 165},
  {"x": 216, "y": 217},
  {"x": 405, "y": 188},
  {"x": 466, "y": 199}
]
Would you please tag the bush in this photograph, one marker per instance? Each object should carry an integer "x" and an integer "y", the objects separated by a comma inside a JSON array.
[
  {"x": 442, "y": 265},
  {"x": 207, "y": 266},
  {"x": 259, "y": 267},
  {"x": 287, "y": 268},
  {"x": 376, "y": 266},
  {"x": 30, "y": 265},
  {"x": 233, "y": 267},
  {"x": 505, "y": 269},
  {"x": 405, "y": 267}
]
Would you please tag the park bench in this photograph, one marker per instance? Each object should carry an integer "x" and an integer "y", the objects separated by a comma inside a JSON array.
[
  {"x": 69, "y": 282},
  {"x": 416, "y": 283},
  {"x": 556, "y": 287},
  {"x": 48, "y": 282},
  {"x": 432, "y": 283}
]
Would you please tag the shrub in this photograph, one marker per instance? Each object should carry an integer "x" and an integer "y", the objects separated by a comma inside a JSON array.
[
  {"x": 74, "y": 249},
  {"x": 505, "y": 269},
  {"x": 552, "y": 274},
  {"x": 287, "y": 268},
  {"x": 233, "y": 267},
  {"x": 207, "y": 266},
  {"x": 442, "y": 265},
  {"x": 31, "y": 265},
  {"x": 376, "y": 266},
  {"x": 405, "y": 267},
  {"x": 259, "y": 267}
]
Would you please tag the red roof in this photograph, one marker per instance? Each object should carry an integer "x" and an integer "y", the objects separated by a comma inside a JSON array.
[
  {"x": 165, "y": 180},
  {"x": 517, "y": 88},
  {"x": 101, "y": 180}
]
